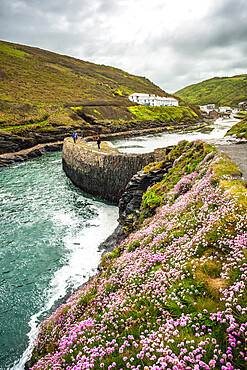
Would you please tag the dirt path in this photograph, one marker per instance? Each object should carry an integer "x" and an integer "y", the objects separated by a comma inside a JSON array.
[{"x": 238, "y": 153}]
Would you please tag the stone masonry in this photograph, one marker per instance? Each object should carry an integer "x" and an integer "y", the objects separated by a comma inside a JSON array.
[{"x": 106, "y": 172}]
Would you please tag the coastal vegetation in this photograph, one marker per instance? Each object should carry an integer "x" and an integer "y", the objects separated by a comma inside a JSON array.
[
  {"x": 164, "y": 114},
  {"x": 46, "y": 96},
  {"x": 218, "y": 90},
  {"x": 239, "y": 129},
  {"x": 172, "y": 295},
  {"x": 42, "y": 90},
  {"x": 40, "y": 87}
]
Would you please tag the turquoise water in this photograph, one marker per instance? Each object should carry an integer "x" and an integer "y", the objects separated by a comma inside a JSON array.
[{"x": 49, "y": 237}]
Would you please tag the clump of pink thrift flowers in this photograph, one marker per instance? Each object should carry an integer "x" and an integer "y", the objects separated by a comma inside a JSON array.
[{"x": 175, "y": 301}]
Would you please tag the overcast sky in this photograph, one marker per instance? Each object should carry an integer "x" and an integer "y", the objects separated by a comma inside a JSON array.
[{"x": 174, "y": 43}]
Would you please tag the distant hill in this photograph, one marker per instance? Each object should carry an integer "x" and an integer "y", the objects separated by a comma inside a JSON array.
[
  {"x": 219, "y": 90},
  {"x": 45, "y": 96}
]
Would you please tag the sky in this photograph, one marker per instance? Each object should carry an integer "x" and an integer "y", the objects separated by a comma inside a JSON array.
[{"x": 174, "y": 43}]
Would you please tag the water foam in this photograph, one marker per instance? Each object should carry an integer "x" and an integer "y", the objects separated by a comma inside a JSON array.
[{"x": 82, "y": 263}]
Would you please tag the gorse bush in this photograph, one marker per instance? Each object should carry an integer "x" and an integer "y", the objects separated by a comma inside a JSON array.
[{"x": 173, "y": 294}]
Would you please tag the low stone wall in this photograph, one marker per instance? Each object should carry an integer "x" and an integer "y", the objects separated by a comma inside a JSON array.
[{"x": 104, "y": 173}]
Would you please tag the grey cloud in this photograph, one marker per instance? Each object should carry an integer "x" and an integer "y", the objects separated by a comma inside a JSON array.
[
  {"x": 211, "y": 45},
  {"x": 208, "y": 45},
  {"x": 110, "y": 6},
  {"x": 225, "y": 25}
]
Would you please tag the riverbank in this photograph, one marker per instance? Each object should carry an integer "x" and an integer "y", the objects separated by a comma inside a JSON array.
[{"x": 7, "y": 159}]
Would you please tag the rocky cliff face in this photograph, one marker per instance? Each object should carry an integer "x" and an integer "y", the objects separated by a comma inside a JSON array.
[
  {"x": 130, "y": 201},
  {"x": 115, "y": 177}
]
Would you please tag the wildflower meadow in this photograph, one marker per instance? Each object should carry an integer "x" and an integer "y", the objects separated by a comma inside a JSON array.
[{"x": 172, "y": 295}]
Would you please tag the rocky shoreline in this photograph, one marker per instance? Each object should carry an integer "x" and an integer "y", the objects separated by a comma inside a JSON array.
[
  {"x": 25, "y": 154},
  {"x": 130, "y": 203},
  {"x": 30, "y": 152}
]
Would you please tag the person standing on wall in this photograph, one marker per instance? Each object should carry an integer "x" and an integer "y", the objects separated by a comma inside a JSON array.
[
  {"x": 98, "y": 142},
  {"x": 74, "y": 137}
]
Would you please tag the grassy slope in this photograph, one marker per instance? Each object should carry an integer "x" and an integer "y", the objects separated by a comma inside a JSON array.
[
  {"x": 41, "y": 90},
  {"x": 173, "y": 294},
  {"x": 239, "y": 129},
  {"x": 165, "y": 114},
  {"x": 221, "y": 91}
]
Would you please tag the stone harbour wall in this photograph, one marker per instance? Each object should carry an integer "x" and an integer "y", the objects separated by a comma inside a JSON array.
[{"x": 106, "y": 172}]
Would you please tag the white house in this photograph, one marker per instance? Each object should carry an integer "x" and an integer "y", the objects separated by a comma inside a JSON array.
[
  {"x": 207, "y": 107},
  {"x": 225, "y": 109},
  {"x": 153, "y": 100},
  {"x": 243, "y": 105}
]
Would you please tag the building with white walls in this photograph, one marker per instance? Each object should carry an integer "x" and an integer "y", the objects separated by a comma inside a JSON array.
[
  {"x": 207, "y": 107},
  {"x": 225, "y": 109},
  {"x": 153, "y": 100}
]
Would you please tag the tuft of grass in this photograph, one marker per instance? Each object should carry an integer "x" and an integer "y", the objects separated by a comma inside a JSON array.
[
  {"x": 239, "y": 129},
  {"x": 12, "y": 51}
]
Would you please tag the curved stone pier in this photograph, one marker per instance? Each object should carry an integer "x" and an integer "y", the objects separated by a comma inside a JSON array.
[{"x": 103, "y": 173}]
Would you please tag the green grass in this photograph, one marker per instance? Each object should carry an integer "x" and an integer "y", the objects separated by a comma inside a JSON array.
[
  {"x": 217, "y": 90},
  {"x": 63, "y": 88},
  {"x": 7, "y": 49},
  {"x": 239, "y": 129},
  {"x": 191, "y": 155},
  {"x": 165, "y": 114}
]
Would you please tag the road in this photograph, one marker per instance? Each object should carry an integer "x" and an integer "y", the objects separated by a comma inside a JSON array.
[{"x": 238, "y": 153}]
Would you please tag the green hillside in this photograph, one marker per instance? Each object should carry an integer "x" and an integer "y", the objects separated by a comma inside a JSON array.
[
  {"x": 45, "y": 96},
  {"x": 40, "y": 87},
  {"x": 218, "y": 90}
]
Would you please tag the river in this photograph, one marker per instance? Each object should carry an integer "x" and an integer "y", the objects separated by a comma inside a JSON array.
[
  {"x": 49, "y": 237},
  {"x": 213, "y": 133}
]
